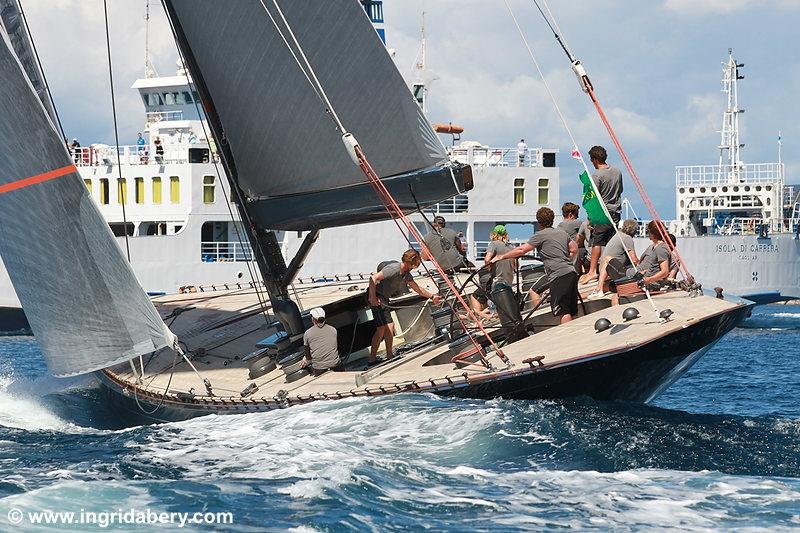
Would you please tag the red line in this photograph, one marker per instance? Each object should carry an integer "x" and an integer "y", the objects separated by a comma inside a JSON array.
[{"x": 38, "y": 178}]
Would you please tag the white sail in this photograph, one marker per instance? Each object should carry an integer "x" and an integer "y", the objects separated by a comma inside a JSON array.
[{"x": 83, "y": 302}]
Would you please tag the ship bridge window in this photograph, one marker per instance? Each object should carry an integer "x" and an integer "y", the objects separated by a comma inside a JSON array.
[
  {"x": 208, "y": 189},
  {"x": 519, "y": 191},
  {"x": 122, "y": 191},
  {"x": 155, "y": 99},
  {"x": 157, "y": 190},
  {"x": 104, "y": 191},
  {"x": 174, "y": 189},
  {"x": 544, "y": 191},
  {"x": 138, "y": 188}
]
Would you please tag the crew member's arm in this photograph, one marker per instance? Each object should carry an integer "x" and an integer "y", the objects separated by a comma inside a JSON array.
[
  {"x": 487, "y": 257},
  {"x": 306, "y": 351},
  {"x": 372, "y": 292},
  {"x": 632, "y": 257},
  {"x": 459, "y": 245},
  {"x": 519, "y": 251},
  {"x": 580, "y": 240},
  {"x": 425, "y": 294},
  {"x": 573, "y": 248},
  {"x": 662, "y": 273}
]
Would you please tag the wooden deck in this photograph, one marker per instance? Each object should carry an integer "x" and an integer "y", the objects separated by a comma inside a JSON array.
[{"x": 218, "y": 350}]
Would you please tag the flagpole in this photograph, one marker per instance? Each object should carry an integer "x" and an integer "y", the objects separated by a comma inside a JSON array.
[{"x": 780, "y": 146}]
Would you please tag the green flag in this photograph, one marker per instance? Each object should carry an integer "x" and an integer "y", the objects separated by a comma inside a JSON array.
[{"x": 591, "y": 203}]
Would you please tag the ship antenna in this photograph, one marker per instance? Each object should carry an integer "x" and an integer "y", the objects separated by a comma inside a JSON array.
[
  {"x": 730, "y": 120},
  {"x": 148, "y": 68}
]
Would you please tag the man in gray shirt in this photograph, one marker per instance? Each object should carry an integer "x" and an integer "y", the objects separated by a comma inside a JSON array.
[
  {"x": 570, "y": 224},
  {"x": 557, "y": 252},
  {"x": 444, "y": 244},
  {"x": 609, "y": 184},
  {"x": 321, "y": 344},
  {"x": 391, "y": 281},
  {"x": 618, "y": 259}
]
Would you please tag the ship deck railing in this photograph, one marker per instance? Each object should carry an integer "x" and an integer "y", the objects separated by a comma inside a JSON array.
[
  {"x": 133, "y": 154},
  {"x": 228, "y": 251},
  {"x": 484, "y": 156},
  {"x": 723, "y": 175}
]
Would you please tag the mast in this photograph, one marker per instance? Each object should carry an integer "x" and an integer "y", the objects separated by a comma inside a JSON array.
[
  {"x": 149, "y": 72},
  {"x": 730, "y": 147},
  {"x": 419, "y": 89}
]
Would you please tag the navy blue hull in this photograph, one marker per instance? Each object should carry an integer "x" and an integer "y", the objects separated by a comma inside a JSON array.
[
  {"x": 13, "y": 321},
  {"x": 639, "y": 374}
]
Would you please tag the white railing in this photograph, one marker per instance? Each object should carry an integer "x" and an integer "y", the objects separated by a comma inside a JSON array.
[
  {"x": 746, "y": 226},
  {"x": 726, "y": 175},
  {"x": 105, "y": 155},
  {"x": 456, "y": 204},
  {"x": 162, "y": 116},
  {"x": 211, "y": 252},
  {"x": 483, "y": 156},
  {"x": 479, "y": 247}
]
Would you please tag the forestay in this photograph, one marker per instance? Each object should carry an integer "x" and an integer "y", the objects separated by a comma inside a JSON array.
[
  {"x": 277, "y": 140},
  {"x": 81, "y": 297}
]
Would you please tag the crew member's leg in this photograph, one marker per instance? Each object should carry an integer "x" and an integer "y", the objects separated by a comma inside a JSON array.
[{"x": 388, "y": 336}]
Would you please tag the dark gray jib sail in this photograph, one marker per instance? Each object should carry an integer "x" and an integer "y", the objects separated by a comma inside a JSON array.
[
  {"x": 11, "y": 20},
  {"x": 277, "y": 141},
  {"x": 81, "y": 297}
]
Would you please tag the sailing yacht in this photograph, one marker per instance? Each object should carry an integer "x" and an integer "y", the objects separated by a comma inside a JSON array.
[{"x": 312, "y": 153}]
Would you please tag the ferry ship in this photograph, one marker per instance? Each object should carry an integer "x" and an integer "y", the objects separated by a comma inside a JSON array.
[{"x": 737, "y": 223}]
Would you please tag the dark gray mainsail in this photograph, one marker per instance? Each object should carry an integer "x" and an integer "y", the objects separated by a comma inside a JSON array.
[
  {"x": 277, "y": 141},
  {"x": 11, "y": 20},
  {"x": 81, "y": 297}
]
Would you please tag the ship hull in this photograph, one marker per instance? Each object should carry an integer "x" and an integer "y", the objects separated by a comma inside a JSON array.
[
  {"x": 762, "y": 270},
  {"x": 638, "y": 374}
]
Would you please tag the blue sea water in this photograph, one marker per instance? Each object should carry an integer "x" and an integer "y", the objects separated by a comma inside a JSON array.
[{"x": 720, "y": 450}]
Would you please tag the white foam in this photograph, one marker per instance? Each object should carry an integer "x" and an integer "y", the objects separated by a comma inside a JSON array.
[{"x": 25, "y": 412}]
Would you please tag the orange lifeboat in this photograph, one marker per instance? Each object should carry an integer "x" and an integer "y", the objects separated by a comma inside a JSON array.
[{"x": 450, "y": 128}]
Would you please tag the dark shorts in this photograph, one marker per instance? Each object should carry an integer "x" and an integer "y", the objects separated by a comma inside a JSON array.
[
  {"x": 564, "y": 295},
  {"x": 481, "y": 296},
  {"x": 602, "y": 233},
  {"x": 381, "y": 315},
  {"x": 616, "y": 269},
  {"x": 541, "y": 284}
]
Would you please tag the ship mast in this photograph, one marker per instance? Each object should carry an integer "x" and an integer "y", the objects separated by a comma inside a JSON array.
[
  {"x": 730, "y": 147},
  {"x": 418, "y": 88}
]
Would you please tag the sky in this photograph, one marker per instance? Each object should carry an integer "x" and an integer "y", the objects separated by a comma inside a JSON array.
[{"x": 656, "y": 67}]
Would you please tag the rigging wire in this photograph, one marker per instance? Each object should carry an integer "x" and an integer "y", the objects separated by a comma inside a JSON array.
[
  {"x": 123, "y": 195},
  {"x": 589, "y": 89},
  {"x": 257, "y": 282},
  {"x": 571, "y": 136},
  {"x": 41, "y": 71},
  {"x": 391, "y": 206}
]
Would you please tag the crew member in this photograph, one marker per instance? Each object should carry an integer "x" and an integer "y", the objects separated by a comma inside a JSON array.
[
  {"x": 445, "y": 245},
  {"x": 321, "y": 344},
  {"x": 391, "y": 281},
  {"x": 557, "y": 252},
  {"x": 655, "y": 261},
  {"x": 618, "y": 259},
  {"x": 609, "y": 184}
]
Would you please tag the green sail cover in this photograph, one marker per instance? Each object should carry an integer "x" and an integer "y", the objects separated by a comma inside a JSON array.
[{"x": 592, "y": 203}]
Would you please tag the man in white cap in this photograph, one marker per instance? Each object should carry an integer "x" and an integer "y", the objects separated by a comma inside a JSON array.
[{"x": 321, "y": 344}]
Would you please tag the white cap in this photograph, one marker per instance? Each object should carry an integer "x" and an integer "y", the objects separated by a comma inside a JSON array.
[{"x": 318, "y": 313}]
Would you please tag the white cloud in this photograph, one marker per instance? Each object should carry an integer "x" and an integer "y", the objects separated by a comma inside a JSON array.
[{"x": 707, "y": 7}]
